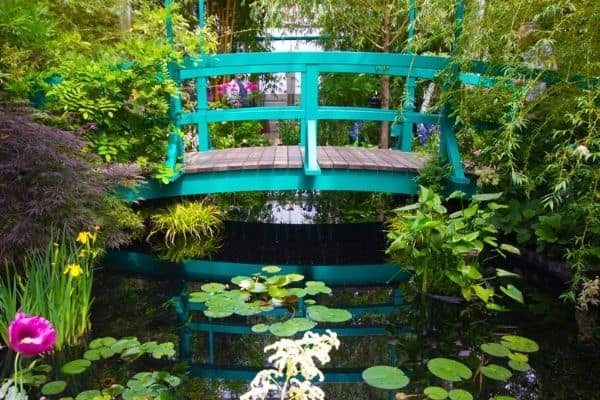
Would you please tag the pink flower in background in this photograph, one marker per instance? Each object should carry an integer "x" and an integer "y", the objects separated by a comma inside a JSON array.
[
  {"x": 251, "y": 86},
  {"x": 31, "y": 335}
]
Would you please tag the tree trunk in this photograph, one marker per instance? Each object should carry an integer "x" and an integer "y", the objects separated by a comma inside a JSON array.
[{"x": 385, "y": 79}]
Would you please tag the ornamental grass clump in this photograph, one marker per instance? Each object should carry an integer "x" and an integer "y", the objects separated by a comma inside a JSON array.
[{"x": 192, "y": 226}]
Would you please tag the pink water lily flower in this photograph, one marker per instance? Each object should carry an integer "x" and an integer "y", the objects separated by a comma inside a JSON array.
[{"x": 31, "y": 335}]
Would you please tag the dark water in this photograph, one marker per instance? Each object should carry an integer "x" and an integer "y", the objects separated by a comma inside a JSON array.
[{"x": 566, "y": 367}]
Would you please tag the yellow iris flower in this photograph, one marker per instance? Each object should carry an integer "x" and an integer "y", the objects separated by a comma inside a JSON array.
[
  {"x": 74, "y": 270},
  {"x": 85, "y": 237}
]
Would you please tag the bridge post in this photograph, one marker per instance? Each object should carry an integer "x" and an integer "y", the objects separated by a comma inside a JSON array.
[
  {"x": 449, "y": 151},
  {"x": 309, "y": 124}
]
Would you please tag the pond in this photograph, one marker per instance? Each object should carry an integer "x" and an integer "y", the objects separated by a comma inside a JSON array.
[{"x": 410, "y": 331}]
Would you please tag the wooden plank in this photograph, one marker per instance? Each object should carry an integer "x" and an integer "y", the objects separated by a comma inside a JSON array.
[
  {"x": 253, "y": 160},
  {"x": 324, "y": 159},
  {"x": 267, "y": 157},
  {"x": 367, "y": 158},
  {"x": 294, "y": 157},
  {"x": 336, "y": 157},
  {"x": 281, "y": 157},
  {"x": 398, "y": 160},
  {"x": 383, "y": 164}
]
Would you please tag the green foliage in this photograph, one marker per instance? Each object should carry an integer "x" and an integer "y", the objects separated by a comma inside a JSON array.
[
  {"x": 443, "y": 248},
  {"x": 262, "y": 293},
  {"x": 289, "y": 132},
  {"x": 188, "y": 229},
  {"x": 237, "y": 134},
  {"x": 58, "y": 287}
]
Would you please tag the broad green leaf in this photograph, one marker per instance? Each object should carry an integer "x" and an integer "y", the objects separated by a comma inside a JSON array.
[
  {"x": 502, "y": 398},
  {"x": 520, "y": 344},
  {"x": 460, "y": 394},
  {"x": 132, "y": 353},
  {"x": 385, "y": 377},
  {"x": 495, "y": 307},
  {"x": 512, "y": 292},
  {"x": 54, "y": 387},
  {"x": 114, "y": 390},
  {"x": 504, "y": 273},
  {"x": 272, "y": 269},
  {"x": 75, "y": 367},
  {"x": 520, "y": 366},
  {"x": 295, "y": 277},
  {"x": 277, "y": 292},
  {"x": 435, "y": 392},
  {"x": 496, "y": 372},
  {"x": 238, "y": 279},
  {"x": 325, "y": 314},
  {"x": 495, "y": 349},
  {"x": 448, "y": 369},
  {"x": 486, "y": 196},
  {"x": 483, "y": 293},
  {"x": 509, "y": 248},
  {"x": 199, "y": 297}
]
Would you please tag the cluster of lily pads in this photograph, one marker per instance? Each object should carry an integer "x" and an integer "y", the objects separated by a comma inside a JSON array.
[
  {"x": 264, "y": 293},
  {"x": 156, "y": 384},
  {"x": 514, "y": 348}
]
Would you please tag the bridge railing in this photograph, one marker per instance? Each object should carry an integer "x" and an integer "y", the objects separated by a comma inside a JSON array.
[{"x": 309, "y": 112}]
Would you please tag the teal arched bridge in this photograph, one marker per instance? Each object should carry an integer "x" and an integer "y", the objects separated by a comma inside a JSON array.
[{"x": 307, "y": 165}]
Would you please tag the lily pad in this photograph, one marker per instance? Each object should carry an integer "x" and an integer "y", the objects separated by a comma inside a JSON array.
[
  {"x": 326, "y": 314},
  {"x": 272, "y": 269},
  {"x": 295, "y": 277},
  {"x": 54, "y": 387},
  {"x": 496, "y": 372},
  {"x": 519, "y": 365},
  {"x": 460, "y": 394},
  {"x": 448, "y": 369},
  {"x": 238, "y": 279},
  {"x": 199, "y": 297},
  {"x": 502, "y": 398},
  {"x": 435, "y": 392},
  {"x": 213, "y": 287},
  {"x": 315, "y": 287},
  {"x": 282, "y": 330},
  {"x": 300, "y": 324},
  {"x": 89, "y": 395},
  {"x": 260, "y": 328},
  {"x": 520, "y": 343},
  {"x": 75, "y": 367},
  {"x": 519, "y": 357},
  {"x": 385, "y": 377},
  {"x": 92, "y": 355},
  {"x": 298, "y": 292},
  {"x": 114, "y": 390},
  {"x": 495, "y": 349},
  {"x": 101, "y": 342}
]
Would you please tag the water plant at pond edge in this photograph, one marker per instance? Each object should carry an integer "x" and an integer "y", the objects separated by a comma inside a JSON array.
[
  {"x": 147, "y": 385},
  {"x": 263, "y": 293},
  {"x": 290, "y": 359},
  {"x": 190, "y": 229},
  {"x": 58, "y": 286},
  {"x": 443, "y": 249},
  {"x": 511, "y": 348}
]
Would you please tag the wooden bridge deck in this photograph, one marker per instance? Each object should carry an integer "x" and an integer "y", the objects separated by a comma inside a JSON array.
[{"x": 290, "y": 157}]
